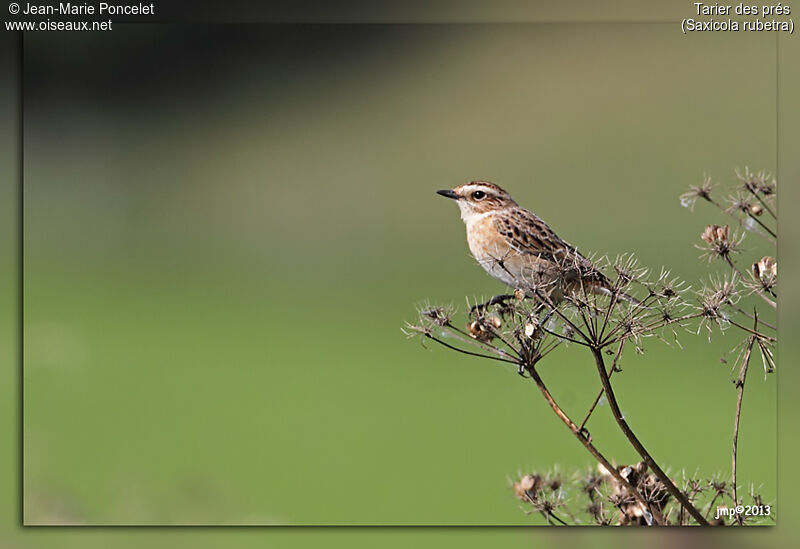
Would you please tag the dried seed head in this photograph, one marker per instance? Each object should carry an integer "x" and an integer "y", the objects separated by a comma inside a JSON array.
[
  {"x": 519, "y": 295},
  {"x": 714, "y": 234},
  {"x": 714, "y": 298},
  {"x": 532, "y": 331},
  {"x": 765, "y": 273},
  {"x": 495, "y": 321},
  {"x": 520, "y": 492},
  {"x": 721, "y": 242},
  {"x": 437, "y": 315},
  {"x": 768, "y": 188},
  {"x": 628, "y": 270},
  {"x": 761, "y": 182},
  {"x": 766, "y": 267},
  {"x": 666, "y": 288},
  {"x": 756, "y": 209},
  {"x": 719, "y": 487},
  {"x": 739, "y": 203},
  {"x": 710, "y": 307},
  {"x": 530, "y": 482},
  {"x": 647, "y": 484},
  {"x": 720, "y": 292},
  {"x": 689, "y": 198},
  {"x": 477, "y": 331},
  {"x": 527, "y": 487}
]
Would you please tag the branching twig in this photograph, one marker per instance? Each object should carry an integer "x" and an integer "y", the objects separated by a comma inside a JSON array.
[
  {"x": 591, "y": 448},
  {"x": 464, "y": 351},
  {"x": 600, "y": 394},
  {"x": 751, "y": 317},
  {"x": 629, "y": 434}
]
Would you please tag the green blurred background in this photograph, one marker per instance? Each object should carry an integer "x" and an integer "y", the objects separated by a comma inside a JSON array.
[
  {"x": 220, "y": 253},
  {"x": 221, "y": 248}
]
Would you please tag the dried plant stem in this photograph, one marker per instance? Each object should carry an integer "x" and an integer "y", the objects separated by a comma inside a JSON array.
[
  {"x": 756, "y": 333},
  {"x": 466, "y": 338},
  {"x": 600, "y": 394},
  {"x": 548, "y": 515},
  {"x": 629, "y": 434},
  {"x": 768, "y": 208},
  {"x": 552, "y": 308},
  {"x": 551, "y": 515},
  {"x": 740, "y": 394},
  {"x": 711, "y": 504},
  {"x": 757, "y": 220},
  {"x": 764, "y": 204},
  {"x": 470, "y": 353},
  {"x": 770, "y": 239},
  {"x": 657, "y": 516},
  {"x": 751, "y": 317}
]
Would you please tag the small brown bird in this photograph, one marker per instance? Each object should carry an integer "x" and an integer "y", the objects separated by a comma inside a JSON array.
[{"x": 517, "y": 248}]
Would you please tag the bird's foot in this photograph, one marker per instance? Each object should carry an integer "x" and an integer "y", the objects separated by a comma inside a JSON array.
[{"x": 496, "y": 300}]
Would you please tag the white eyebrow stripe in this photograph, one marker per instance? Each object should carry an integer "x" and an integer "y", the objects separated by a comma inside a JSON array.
[
  {"x": 490, "y": 192},
  {"x": 471, "y": 188}
]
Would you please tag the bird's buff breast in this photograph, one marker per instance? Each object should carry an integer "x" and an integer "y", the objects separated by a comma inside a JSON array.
[
  {"x": 484, "y": 240},
  {"x": 499, "y": 259},
  {"x": 490, "y": 249}
]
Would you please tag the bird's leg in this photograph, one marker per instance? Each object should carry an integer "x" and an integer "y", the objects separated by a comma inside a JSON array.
[
  {"x": 496, "y": 300},
  {"x": 544, "y": 315},
  {"x": 540, "y": 315}
]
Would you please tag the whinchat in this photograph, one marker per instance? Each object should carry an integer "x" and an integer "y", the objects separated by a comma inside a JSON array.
[{"x": 517, "y": 248}]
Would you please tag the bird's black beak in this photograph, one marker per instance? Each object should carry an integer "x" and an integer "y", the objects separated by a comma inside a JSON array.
[{"x": 448, "y": 193}]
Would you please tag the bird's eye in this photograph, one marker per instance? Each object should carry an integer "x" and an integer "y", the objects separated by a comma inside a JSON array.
[{"x": 479, "y": 195}]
